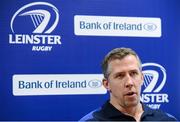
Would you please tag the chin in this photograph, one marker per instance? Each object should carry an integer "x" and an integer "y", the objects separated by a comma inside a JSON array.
[{"x": 131, "y": 103}]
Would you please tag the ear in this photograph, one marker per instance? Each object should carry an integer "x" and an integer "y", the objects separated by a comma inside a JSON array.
[
  {"x": 106, "y": 84},
  {"x": 142, "y": 78}
]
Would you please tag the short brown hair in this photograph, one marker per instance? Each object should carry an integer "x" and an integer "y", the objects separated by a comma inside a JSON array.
[{"x": 117, "y": 53}]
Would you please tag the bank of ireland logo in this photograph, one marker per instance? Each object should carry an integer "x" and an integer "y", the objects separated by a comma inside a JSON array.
[
  {"x": 38, "y": 18},
  {"x": 154, "y": 81},
  {"x": 95, "y": 83},
  {"x": 150, "y": 26}
]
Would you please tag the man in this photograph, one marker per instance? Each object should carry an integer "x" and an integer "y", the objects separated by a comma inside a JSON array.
[{"x": 123, "y": 79}]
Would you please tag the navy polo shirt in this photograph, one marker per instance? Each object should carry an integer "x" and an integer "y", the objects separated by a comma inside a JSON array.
[{"x": 109, "y": 113}]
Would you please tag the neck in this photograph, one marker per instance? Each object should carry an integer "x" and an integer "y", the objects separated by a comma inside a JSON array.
[{"x": 135, "y": 111}]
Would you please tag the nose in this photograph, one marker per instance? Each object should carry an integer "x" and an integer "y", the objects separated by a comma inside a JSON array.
[{"x": 129, "y": 81}]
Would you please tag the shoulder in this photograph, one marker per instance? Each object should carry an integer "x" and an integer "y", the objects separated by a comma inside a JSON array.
[
  {"x": 99, "y": 114},
  {"x": 157, "y": 115},
  {"x": 90, "y": 116},
  {"x": 164, "y": 116}
]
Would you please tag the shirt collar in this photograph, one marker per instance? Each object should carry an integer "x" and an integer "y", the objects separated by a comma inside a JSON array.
[
  {"x": 147, "y": 110},
  {"x": 110, "y": 111}
]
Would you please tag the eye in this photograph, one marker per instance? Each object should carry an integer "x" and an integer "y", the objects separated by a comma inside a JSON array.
[
  {"x": 120, "y": 75},
  {"x": 134, "y": 73}
]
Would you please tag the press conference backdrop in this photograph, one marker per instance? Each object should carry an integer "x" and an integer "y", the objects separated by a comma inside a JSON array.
[{"x": 51, "y": 53}]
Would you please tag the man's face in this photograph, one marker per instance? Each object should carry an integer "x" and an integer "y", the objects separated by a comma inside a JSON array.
[{"x": 124, "y": 81}]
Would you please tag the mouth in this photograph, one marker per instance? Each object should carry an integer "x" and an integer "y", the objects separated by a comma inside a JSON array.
[{"x": 130, "y": 94}]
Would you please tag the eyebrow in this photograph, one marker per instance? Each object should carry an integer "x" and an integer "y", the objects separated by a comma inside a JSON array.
[{"x": 133, "y": 70}]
